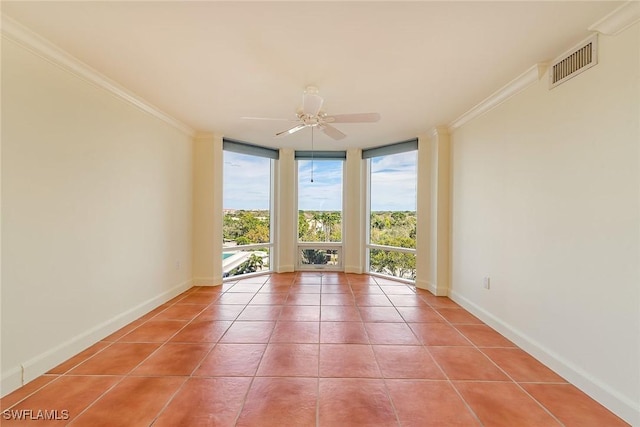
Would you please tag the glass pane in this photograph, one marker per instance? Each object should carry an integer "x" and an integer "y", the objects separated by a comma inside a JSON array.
[
  {"x": 320, "y": 200},
  {"x": 236, "y": 263},
  {"x": 328, "y": 257},
  {"x": 393, "y": 263},
  {"x": 393, "y": 200},
  {"x": 246, "y": 199}
]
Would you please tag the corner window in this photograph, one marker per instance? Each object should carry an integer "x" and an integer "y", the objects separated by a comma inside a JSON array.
[
  {"x": 247, "y": 209},
  {"x": 392, "y": 203},
  {"x": 320, "y": 180}
]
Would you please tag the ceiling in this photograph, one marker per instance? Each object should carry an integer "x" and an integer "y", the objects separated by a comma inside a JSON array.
[{"x": 209, "y": 63}]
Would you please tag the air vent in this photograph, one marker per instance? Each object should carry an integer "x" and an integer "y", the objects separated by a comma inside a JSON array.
[{"x": 574, "y": 62}]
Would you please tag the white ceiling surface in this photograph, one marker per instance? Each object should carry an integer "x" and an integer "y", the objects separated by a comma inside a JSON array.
[{"x": 419, "y": 64}]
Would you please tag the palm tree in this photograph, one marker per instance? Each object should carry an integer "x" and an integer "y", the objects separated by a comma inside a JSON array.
[{"x": 329, "y": 219}]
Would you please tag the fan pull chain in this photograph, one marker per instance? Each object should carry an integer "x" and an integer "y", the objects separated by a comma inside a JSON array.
[{"x": 312, "y": 153}]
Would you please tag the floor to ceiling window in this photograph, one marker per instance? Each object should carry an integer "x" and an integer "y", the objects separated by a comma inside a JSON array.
[
  {"x": 320, "y": 209},
  {"x": 392, "y": 198},
  {"x": 247, "y": 245}
]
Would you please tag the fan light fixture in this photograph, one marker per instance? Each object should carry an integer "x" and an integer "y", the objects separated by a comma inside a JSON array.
[
  {"x": 311, "y": 104},
  {"x": 310, "y": 115}
]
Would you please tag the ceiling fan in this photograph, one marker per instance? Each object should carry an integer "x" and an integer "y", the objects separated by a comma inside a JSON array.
[{"x": 311, "y": 115}]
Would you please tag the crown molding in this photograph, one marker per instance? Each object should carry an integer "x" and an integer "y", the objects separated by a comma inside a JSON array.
[
  {"x": 439, "y": 131},
  {"x": 435, "y": 132},
  {"x": 38, "y": 45},
  {"x": 613, "y": 23},
  {"x": 512, "y": 88},
  {"x": 618, "y": 20}
]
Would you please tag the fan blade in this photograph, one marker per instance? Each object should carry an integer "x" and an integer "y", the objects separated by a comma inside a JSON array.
[
  {"x": 353, "y": 118},
  {"x": 292, "y": 130},
  {"x": 331, "y": 131},
  {"x": 269, "y": 118},
  {"x": 311, "y": 101}
]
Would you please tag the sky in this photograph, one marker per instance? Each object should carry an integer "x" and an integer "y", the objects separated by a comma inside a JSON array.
[
  {"x": 393, "y": 183},
  {"x": 325, "y": 192},
  {"x": 246, "y": 182}
]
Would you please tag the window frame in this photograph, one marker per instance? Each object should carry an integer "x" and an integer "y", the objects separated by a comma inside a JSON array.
[
  {"x": 319, "y": 156},
  {"x": 367, "y": 156},
  {"x": 244, "y": 148}
]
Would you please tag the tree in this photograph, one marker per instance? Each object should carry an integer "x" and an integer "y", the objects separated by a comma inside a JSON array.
[
  {"x": 246, "y": 227},
  {"x": 394, "y": 263},
  {"x": 251, "y": 265},
  {"x": 303, "y": 225},
  {"x": 258, "y": 234},
  {"x": 390, "y": 225},
  {"x": 314, "y": 256},
  {"x": 230, "y": 227},
  {"x": 377, "y": 221},
  {"x": 242, "y": 240},
  {"x": 398, "y": 217},
  {"x": 319, "y": 226},
  {"x": 329, "y": 220},
  {"x": 248, "y": 222}
]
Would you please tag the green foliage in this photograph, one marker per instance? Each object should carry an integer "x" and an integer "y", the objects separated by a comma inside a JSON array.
[
  {"x": 393, "y": 263},
  {"x": 251, "y": 265},
  {"x": 246, "y": 227},
  {"x": 303, "y": 226},
  {"x": 242, "y": 240},
  {"x": 259, "y": 234},
  {"x": 387, "y": 226},
  {"x": 319, "y": 226},
  {"x": 396, "y": 229},
  {"x": 314, "y": 256}
]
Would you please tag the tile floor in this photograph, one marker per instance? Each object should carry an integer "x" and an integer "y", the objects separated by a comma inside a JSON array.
[{"x": 306, "y": 349}]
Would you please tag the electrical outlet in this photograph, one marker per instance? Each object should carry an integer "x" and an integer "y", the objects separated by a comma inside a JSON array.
[
  {"x": 178, "y": 265},
  {"x": 486, "y": 283}
]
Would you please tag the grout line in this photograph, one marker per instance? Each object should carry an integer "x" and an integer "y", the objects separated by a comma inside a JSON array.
[
  {"x": 58, "y": 376},
  {"x": 384, "y": 382},
  {"x": 244, "y": 400},
  {"x": 452, "y": 385},
  {"x": 319, "y": 356},
  {"x": 109, "y": 344},
  {"x": 433, "y": 359},
  {"x": 521, "y": 388},
  {"x": 166, "y": 405},
  {"x": 318, "y": 393},
  {"x": 479, "y": 349},
  {"x": 122, "y": 377},
  {"x": 294, "y": 283}
]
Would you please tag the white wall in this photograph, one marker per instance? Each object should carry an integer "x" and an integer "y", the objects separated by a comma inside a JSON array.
[
  {"x": 96, "y": 213},
  {"x": 545, "y": 201},
  {"x": 433, "y": 212},
  {"x": 207, "y": 210},
  {"x": 286, "y": 218},
  {"x": 353, "y": 226}
]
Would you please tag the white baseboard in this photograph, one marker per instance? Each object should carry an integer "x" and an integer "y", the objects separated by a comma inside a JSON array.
[
  {"x": 439, "y": 291},
  {"x": 621, "y": 405},
  {"x": 432, "y": 287},
  {"x": 17, "y": 376},
  {"x": 286, "y": 269},
  {"x": 426, "y": 285},
  {"x": 206, "y": 281},
  {"x": 353, "y": 269},
  {"x": 11, "y": 380}
]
